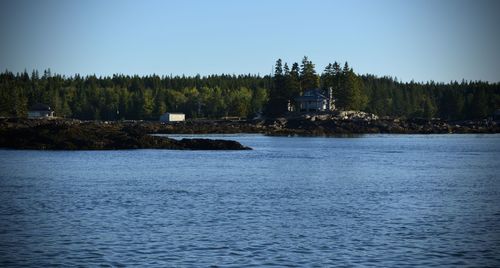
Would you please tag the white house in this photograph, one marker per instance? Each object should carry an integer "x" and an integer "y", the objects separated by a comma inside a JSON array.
[
  {"x": 313, "y": 100},
  {"x": 40, "y": 111},
  {"x": 172, "y": 117}
]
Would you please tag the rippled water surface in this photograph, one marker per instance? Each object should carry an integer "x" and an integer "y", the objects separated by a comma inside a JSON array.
[{"x": 385, "y": 200}]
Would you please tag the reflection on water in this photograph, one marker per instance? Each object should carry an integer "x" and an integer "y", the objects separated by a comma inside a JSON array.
[{"x": 381, "y": 200}]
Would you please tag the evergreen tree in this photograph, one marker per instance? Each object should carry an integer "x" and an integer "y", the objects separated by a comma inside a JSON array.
[
  {"x": 291, "y": 83},
  {"x": 327, "y": 76},
  {"x": 308, "y": 76},
  {"x": 349, "y": 95},
  {"x": 278, "y": 99},
  {"x": 159, "y": 104},
  {"x": 259, "y": 99},
  {"x": 145, "y": 104},
  {"x": 295, "y": 79},
  {"x": 428, "y": 109},
  {"x": 479, "y": 105}
]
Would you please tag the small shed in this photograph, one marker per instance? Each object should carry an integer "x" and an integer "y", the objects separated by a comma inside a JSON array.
[
  {"x": 40, "y": 110},
  {"x": 172, "y": 117}
]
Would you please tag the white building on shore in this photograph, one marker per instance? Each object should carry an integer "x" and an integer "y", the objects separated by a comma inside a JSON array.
[{"x": 172, "y": 117}]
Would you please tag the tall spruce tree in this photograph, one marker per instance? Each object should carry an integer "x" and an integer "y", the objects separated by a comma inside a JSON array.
[
  {"x": 308, "y": 77},
  {"x": 295, "y": 80},
  {"x": 278, "y": 101},
  {"x": 349, "y": 94},
  {"x": 479, "y": 106}
]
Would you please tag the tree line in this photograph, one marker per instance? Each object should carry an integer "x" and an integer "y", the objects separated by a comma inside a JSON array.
[
  {"x": 133, "y": 97},
  {"x": 384, "y": 96},
  {"x": 147, "y": 97}
]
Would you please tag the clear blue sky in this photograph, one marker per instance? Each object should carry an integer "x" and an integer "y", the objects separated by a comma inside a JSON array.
[{"x": 420, "y": 40}]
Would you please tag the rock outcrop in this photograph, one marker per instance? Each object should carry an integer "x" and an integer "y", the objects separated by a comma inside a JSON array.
[{"x": 78, "y": 135}]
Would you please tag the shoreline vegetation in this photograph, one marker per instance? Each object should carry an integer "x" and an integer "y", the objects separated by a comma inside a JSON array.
[
  {"x": 134, "y": 97},
  {"x": 120, "y": 111},
  {"x": 72, "y": 134}
]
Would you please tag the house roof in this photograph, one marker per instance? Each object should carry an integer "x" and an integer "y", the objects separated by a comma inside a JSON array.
[
  {"x": 312, "y": 95},
  {"x": 40, "y": 107}
]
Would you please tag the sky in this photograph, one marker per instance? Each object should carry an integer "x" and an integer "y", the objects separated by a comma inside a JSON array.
[{"x": 412, "y": 40}]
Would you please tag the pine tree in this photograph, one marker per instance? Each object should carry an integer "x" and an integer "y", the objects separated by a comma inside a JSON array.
[
  {"x": 286, "y": 70},
  {"x": 278, "y": 81},
  {"x": 349, "y": 94},
  {"x": 308, "y": 77},
  {"x": 327, "y": 77},
  {"x": 479, "y": 105},
  {"x": 159, "y": 104},
  {"x": 259, "y": 99},
  {"x": 337, "y": 75},
  {"x": 428, "y": 108},
  {"x": 288, "y": 90},
  {"x": 278, "y": 99},
  {"x": 295, "y": 80}
]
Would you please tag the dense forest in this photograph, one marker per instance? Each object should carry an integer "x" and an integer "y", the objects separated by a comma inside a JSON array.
[{"x": 215, "y": 96}]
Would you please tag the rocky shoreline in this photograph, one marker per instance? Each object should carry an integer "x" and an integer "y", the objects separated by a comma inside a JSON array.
[
  {"x": 90, "y": 135},
  {"x": 326, "y": 124},
  {"x": 70, "y": 134},
  {"x": 351, "y": 122}
]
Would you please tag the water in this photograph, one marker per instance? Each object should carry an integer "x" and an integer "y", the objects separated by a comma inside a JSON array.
[{"x": 376, "y": 200}]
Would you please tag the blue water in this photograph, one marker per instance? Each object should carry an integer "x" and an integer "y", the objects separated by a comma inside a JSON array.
[{"x": 375, "y": 200}]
